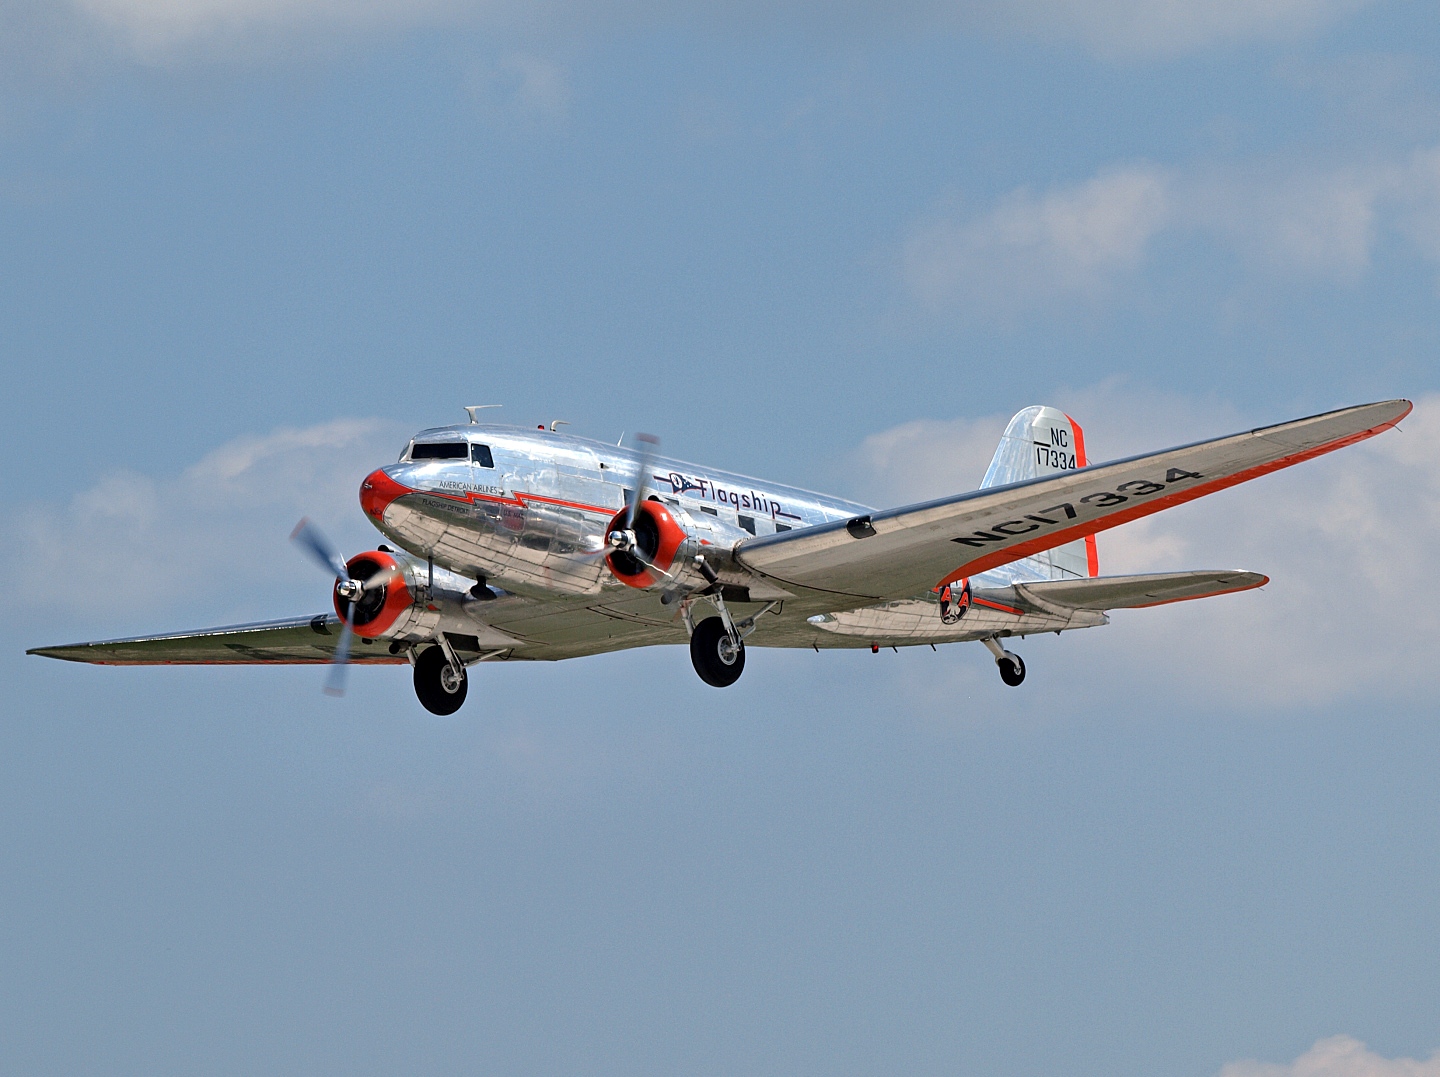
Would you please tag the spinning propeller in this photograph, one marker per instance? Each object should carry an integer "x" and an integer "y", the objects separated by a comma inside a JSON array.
[
  {"x": 624, "y": 542},
  {"x": 308, "y": 537}
]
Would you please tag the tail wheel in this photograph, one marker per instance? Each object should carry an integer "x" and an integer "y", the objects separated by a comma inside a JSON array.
[
  {"x": 1012, "y": 669},
  {"x": 717, "y": 657},
  {"x": 438, "y": 687}
]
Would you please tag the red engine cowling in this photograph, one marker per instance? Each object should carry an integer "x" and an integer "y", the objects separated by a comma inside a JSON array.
[
  {"x": 378, "y": 610},
  {"x": 658, "y": 537}
]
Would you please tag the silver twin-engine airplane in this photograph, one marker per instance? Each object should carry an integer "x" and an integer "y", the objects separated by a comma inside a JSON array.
[{"x": 507, "y": 543}]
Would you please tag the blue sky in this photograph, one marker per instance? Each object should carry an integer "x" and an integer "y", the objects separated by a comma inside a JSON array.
[{"x": 247, "y": 246}]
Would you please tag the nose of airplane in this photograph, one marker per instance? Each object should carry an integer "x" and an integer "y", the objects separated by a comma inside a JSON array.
[{"x": 377, "y": 491}]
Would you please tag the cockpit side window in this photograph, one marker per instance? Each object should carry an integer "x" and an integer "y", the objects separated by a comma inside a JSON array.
[
  {"x": 441, "y": 450},
  {"x": 480, "y": 454}
]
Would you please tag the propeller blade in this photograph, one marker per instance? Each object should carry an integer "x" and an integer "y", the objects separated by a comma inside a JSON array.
[
  {"x": 308, "y": 537},
  {"x": 335, "y": 680},
  {"x": 645, "y": 562},
  {"x": 381, "y": 579},
  {"x": 648, "y": 444}
]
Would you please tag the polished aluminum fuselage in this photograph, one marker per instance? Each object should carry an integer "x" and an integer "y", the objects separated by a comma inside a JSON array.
[
  {"x": 533, "y": 527},
  {"x": 535, "y": 522}
]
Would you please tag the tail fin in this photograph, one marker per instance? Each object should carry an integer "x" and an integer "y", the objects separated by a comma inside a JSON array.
[{"x": 1043, "y": 441}]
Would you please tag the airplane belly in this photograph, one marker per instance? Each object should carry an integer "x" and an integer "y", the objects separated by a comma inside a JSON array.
[{"x": 920, "y": 620}]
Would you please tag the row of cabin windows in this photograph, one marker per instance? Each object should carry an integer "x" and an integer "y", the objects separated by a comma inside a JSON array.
[
  {"x": 480, "y": 454},
  {"x": 748, "y": 523},
  {"x": 452, "y": 450}
]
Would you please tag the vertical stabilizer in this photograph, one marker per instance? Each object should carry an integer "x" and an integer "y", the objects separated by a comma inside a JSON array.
[{"x": 1038, "y": 442}]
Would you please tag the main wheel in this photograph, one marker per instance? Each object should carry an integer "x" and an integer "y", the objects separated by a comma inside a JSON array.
[
  {"x": 439, "y": 690},
  {"x": 717, "y": 658},
  {"x": 1012, "y": 669}
]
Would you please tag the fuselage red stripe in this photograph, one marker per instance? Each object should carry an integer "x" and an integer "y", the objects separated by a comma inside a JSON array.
[{"x": 519, "y": 499}]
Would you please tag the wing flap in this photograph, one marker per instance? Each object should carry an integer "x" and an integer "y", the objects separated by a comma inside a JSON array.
[
  {"x": 909, "y": 550},
  {"x": 294, "y": 641},
  {"x": 1137, "y": 592}
]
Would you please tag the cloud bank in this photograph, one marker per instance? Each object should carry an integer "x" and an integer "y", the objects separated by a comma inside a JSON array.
[
  {"x": 159, "y": 29},
  {"x": 1082, "y": 241},
  {"x": 1338, "y": 1056},
  {"x": 1352, "y": 609},
  {"x": 212, "y": 537}
]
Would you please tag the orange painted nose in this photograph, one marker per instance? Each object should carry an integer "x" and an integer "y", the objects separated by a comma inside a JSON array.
[{"x": 377, "y": 491}]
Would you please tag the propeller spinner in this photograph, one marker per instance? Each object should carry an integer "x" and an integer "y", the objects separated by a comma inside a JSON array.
[{"x": 350, "y": 592}]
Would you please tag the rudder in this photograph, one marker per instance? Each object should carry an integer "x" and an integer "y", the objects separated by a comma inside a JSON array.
[{"x": 1042, "y": 441}]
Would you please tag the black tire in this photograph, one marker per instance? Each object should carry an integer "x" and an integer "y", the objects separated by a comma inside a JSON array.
[
  {"x": 709, "y": 649},
  {"x": 1012, "y": 670},
  {"x": 430, "y": 676}
]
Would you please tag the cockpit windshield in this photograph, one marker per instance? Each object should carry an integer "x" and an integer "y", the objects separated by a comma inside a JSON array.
[{"x": 440, "y": 450}]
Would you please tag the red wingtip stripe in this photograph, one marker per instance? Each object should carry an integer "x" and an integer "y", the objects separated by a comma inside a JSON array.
[{"x": 1208, "y": 594}]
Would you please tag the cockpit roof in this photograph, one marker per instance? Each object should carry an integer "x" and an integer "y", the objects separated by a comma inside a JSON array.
[{"x": 498, "y": 431}]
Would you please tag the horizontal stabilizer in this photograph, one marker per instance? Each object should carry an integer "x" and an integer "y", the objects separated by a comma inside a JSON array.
[{"x": 1137, "y": 592}]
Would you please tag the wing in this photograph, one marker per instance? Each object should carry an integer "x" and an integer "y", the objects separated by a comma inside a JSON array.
[
  {"x": 545, "y": 630},
  {"x": 1132, "y": 592},
  {"x": 909, "y": 550},
  {"x": 298, "y": 640}
]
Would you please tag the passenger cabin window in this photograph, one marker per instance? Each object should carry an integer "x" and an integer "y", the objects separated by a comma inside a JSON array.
[
  {"x": 781, "y": 527},
  {"x": 748, "y": 523},
  {"x": 443, "y": 450},
  {"x": 480, "y": 454}
]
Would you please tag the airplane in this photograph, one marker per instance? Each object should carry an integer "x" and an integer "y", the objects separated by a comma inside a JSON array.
[{"x": 506, "y": 544}]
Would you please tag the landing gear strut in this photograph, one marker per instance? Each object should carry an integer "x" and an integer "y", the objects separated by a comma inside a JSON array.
[
  {"x": 717, "y": 644},
  {"x": 1012, "y": 668},
  {"x": 440, "y": 681}
]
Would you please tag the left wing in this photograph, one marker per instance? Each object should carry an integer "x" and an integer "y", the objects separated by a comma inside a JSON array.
[
  {"x": 907, "y": 551},
  {"x": 295, "y": 641}
]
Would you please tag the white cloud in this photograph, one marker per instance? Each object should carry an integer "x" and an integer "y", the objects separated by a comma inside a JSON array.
[
  {"x": 1352, "y": 610},
  {"x": 134, "y": 543},
  {"x": 1418, "y": 198},
  {"x": 1167, "y": 27},
  {"x": 1338, "y": 1056},
  {"x": 159, "y": 28},
  {"x": 521, "y": 86},
  {"x": 929, "y": 458},
  {"x": 1078, "y": 241},
  {"x": 1028, "y": 247},
  {"x": 154, "y": 27},
  {"x": 1305, "y": 223}
]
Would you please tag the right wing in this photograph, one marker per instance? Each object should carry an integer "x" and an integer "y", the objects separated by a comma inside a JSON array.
[{"x": 908, "y": 551}]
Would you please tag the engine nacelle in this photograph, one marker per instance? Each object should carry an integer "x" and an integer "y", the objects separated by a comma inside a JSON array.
[
  {"x": 386, "y": 611},
  {"x": 661, "y": 541}
]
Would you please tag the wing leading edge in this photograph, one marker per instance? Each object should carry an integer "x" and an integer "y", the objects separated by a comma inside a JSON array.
[
  {"x": 293, "y": 641},
  {"x": 907, "y": 551}
]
